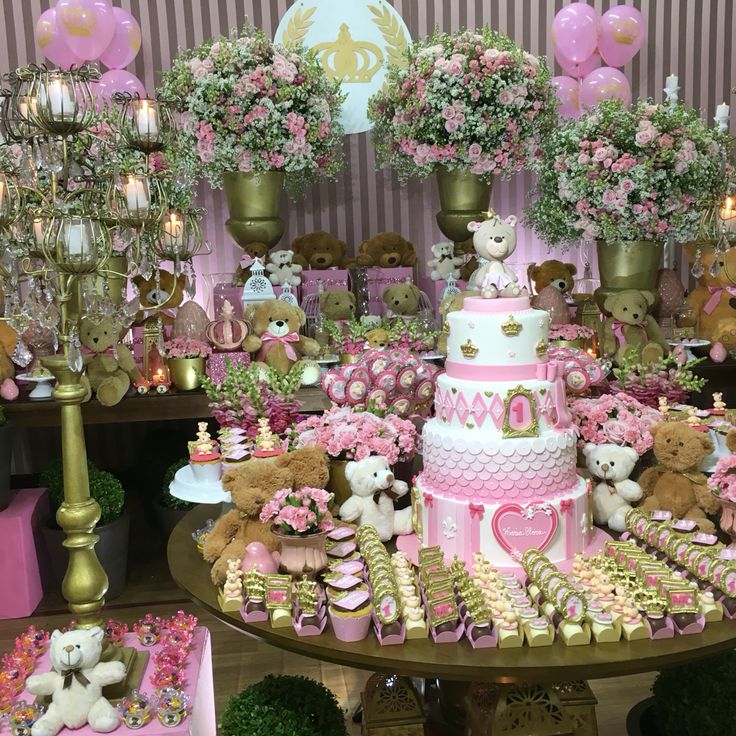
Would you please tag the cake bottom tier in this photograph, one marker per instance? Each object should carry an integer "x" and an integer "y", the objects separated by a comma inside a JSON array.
[{"x": 503, "y": 531}]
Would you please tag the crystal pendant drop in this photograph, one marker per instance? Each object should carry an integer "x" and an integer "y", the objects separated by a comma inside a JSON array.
[
  {"x": 190, "y": 288},
  {"x": 115, "y": 351},
  {"x": 22, "y": 355},
  {"x": 160, "y": 337},
  {"x": 177, "y": 268},
  {"x": 715, "y": 268},
  {"x": 146, "y": 267},
  {"x": 698, "y": 270},
  {"x": 74, "y": 355}
]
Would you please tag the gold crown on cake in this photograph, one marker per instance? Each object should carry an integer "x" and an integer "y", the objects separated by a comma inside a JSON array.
[
  {"x": 348, "y": 60},
  {"x": 511, "y": 328},
  {"x": 541, "y": 347},
  {"x": 468, "y": 349},
  {"x": 625, "y": 30}
]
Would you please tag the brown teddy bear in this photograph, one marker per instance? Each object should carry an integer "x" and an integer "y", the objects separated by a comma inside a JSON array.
[
  {"x": 630, "y": 327},
  {"x": 8, "y": 341},
  {"x": 675, "y": 484},
  {"x": 275, "y": 338},
  {"x": 253, "y": 251},
  {"x": 402, "y": 299},
  {"x": 319, "y": 250},
  {"x": 552, "y": 273},
  {"x": 387, "y": 250},
  {"x": 377, "y": 338},
  {"x": 109, "y": 376},
  {"x": 252, "y": 485},
  {"x": 337, "y": 304},
  {"x": 714, "y": 297},
  {"x": 159, "y": 299}
]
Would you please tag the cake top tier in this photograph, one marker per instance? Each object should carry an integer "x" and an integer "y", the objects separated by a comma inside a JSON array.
[{"x": 496, "y": 339}]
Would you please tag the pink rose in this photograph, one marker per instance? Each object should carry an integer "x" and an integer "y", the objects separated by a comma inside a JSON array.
[
  {"x": 506, "y": 97},
  {"x": 643, "y": 138}
]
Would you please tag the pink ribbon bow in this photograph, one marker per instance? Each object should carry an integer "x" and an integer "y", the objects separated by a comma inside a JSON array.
[
  {"x": 476, "y": 509},
  {"x": 429, "y": 500},
  {"x": 618, "y": 329},
  {"x": 716, "y": 294},
  {"x": 269, "y": 340},
  {"x": 89, "y": 351}
]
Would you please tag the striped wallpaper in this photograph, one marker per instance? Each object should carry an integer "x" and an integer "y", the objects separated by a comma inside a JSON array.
[{"x": 692, "y": 38}]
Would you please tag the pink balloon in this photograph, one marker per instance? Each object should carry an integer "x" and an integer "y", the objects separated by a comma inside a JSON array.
[
  {"x": 125, "y": 43},
  {"x": 118, "y": 80},
  {"x": 51, "y": 43},
  {"x": 622, "y": 33},
  {"x": 605, "y": 83},
  {"x": 568, "y": 93},
  {"x": 575, "y": 31},
  {"x": 578, "y": 70},
  {"x": 87, "y": 26}
]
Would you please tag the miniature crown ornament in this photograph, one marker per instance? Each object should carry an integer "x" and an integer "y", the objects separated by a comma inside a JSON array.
[
  {"x": 469, "y": 349},
  {"x": 541, "y": 348},
  {"x": 228, "y": 332},
  {"x": 511, "y": 328}
]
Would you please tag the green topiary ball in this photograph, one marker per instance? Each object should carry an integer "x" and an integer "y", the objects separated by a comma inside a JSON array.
[
  {"x": 283, "y": 705},
  {"x": 697, "y": 698},
  {"x": 166, "y": 499}
]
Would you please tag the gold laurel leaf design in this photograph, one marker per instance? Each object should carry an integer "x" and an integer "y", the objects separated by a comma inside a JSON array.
[
  {"x": 393, "y": 34},
  {"x": 297, "y": 27}
]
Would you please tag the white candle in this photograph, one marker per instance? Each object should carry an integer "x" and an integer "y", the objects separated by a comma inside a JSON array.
[
  {"x": 728, "y": 215},
  {"x": 721, "y": 117},
  {"x": 671, "y": 87},
  {"x": 38, "y": 231},
  {"x": 173, "y": 229},
  {"x": 135, "y": 194},
  {"x": 146, "y": 119},
  {"x": 59, "y": 98},
  {"x": 75, "y": 237}
]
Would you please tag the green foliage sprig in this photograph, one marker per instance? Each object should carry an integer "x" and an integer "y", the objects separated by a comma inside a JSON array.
[{"x": 166, "y": 499}]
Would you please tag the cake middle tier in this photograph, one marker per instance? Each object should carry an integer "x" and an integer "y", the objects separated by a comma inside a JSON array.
[{"x": 472, "y": 465}]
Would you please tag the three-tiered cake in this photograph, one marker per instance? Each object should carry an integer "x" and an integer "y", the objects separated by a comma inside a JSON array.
[{"x": 500, "y": 455}]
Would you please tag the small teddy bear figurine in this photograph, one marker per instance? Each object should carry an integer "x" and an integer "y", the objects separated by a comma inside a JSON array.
[
  {"x": 719, "y": 405},
  {"x": 233, "y": 587},
  {"x": 494, "y": 240},
  {"x": 445, "y": 264},
  {"x": 692, "y": 418},
  {"x": 282, "y": 270},
  {"x": 75, "y": 684},
  {"x": 265, "y": 438},
  {"x": 664, "y": 407}
]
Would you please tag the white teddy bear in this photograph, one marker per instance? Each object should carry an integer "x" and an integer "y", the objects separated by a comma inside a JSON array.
[
  {"x": 445, "y": 263},
  {"x": 374, "y": 489},
  {"x": 75, "y": 684},
  {"x": 281, "y": 270},
  {"x": 614, "y": 494},
  {"x": 494, "y": 240}
]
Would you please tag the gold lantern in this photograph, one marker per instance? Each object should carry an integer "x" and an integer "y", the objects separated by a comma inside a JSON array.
[
  {"x": 146, "y": 124},
  {"x": 391, "y": 707}
]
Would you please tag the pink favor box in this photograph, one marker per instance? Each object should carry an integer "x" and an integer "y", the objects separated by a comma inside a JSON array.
[
  {"x": 379, "y": 279},
  {"x": 331, "y": 278},
  {"x": 216, "y": 363},
  {"x": 433, "y": 289}
]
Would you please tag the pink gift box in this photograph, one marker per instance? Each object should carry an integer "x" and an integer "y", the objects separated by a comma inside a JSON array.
[
  {"x": 331, "y": 278},
  {"x": 380, "y": 278},
  {"x": 433, "y": 289},
  {"x": 216, "y": 366}
]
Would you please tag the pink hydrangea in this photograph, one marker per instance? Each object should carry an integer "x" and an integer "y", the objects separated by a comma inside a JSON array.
[
  {"x": 185, "y": 347},
  {"x": 723, "y": 481}
]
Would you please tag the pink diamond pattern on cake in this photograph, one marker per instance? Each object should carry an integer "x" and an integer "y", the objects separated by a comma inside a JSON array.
[
  {"x": 478, "y": 410},
  {"x": 496, "y": 410},
  {"x": 544, "y": 404},
  {"x": 461, "y": 409}
]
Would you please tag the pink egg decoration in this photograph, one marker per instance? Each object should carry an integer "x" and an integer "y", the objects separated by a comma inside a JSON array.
[
  {"x": 87, "y": 26},
  {"x": 9, "y": 390},
  {"x": 51, "y": 42},
  {"x": 670, "y": 293},
  {"x": 551, "y": 300},
  {"x": 257, "y": 555},
  {"x": 605, "y": 83},
  {"x": 191, "y": 321},
  {"x": 575, "y": 31},
  {"x": 578, "y": 70},
  {"x": 718, "y": 353},
  {"x": 126, "y": 41},
  {"x": 568, "y": 94},
  {"x": 621, "y": 34}
]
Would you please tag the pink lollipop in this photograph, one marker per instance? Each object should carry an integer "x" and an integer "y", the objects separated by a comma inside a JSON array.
[
  {"x": 377, "y": 396},
  {"x": 401, "y": 405},
  {"x": 424, "y": 389},
  {"x": 336, "y": 390},
  {"x": 355, "y": 390},
  {"x": 386, "y": 381},
  {"x": 407, "y": 377}
]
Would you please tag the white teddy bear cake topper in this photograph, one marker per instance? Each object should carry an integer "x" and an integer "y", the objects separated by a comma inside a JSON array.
[{"x": 494, "y": 240}]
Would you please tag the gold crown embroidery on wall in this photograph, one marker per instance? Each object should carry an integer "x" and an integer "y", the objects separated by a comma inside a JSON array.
[{"x": 348, "y": 60}]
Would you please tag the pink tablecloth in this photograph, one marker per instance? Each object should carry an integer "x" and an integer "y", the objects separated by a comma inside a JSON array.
[{"x": 200, "y": 722}]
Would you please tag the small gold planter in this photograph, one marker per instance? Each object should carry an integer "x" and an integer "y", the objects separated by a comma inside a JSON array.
[
  {"x": 627, "y": 264},
  {"x": 183, "y": 372},
  {"x": 254, "y": 201}
]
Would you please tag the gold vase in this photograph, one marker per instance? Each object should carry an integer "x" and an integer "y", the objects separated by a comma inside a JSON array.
[
  {"x": 338, "y": 483},
  {"x": 627, "y": 264},
  {"x": 463, "y": 198},
  {"x": 254, "y": 201},
  {"x": 184, "y": 372}
]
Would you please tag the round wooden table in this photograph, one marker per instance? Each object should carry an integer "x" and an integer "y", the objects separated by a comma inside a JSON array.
[{"x": 449, "y": 662}]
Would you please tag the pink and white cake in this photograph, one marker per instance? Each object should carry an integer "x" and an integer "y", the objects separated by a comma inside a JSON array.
[{"x": 500, "y": 455}]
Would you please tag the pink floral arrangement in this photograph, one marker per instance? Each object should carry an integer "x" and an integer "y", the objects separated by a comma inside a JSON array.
[
  {"x": 618, "y": 419},
  {"x": 301, "y": 512},
  {"x": 570, "y": 332},
  {"x": 186, "y": 347},
  {"x": 723, "y": 481},
  {"x": 347, "y": 434}
]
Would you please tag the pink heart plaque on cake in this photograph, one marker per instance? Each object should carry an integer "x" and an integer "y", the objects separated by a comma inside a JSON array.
[{"x": 518, "y": 528}]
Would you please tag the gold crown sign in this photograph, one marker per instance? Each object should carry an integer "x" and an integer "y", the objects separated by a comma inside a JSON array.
[
  {"x": 511, "y": 328},
  {"x": 469, "y": 349},
  {"x": 77, "y": 20},
  {"x": 625, "y": 30},
  {"x": 347, "y": 60}
]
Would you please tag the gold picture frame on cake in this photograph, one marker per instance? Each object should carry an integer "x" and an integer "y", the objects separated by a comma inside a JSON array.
[{"x": 520, "y": 401}]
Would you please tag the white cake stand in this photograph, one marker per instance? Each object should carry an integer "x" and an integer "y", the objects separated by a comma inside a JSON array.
[
  {"x": 186, "y": 487},
  {"x": 689, "y": 345},
  {"x": 43, "y": 389}
]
